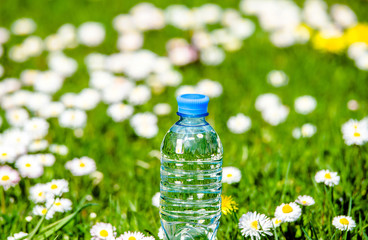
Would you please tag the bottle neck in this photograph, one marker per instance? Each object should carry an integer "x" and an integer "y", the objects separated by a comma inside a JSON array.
[{"x": 192, "y": 121}]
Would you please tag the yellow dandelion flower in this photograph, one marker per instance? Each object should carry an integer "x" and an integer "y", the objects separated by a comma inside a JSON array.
[
  {"x": 228, "y": 205},
  {"x": 329, "y": 41},
  {"x": 358, "y": 33}
]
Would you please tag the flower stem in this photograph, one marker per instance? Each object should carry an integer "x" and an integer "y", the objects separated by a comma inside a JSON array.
[{"x": 2, "y": 200}]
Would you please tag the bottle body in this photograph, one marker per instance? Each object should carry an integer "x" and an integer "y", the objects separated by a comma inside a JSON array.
[{"x": 191, "y": 172}]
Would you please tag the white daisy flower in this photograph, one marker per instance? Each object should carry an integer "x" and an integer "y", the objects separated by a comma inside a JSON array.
[
  {"x": 4, "y": 35},
  {"x": 87, "y": 99},
  {"x": 33, "y": 46},
  {"x": 139, "y": 95},
  {"x": 144, "y": 124},
  {"x": 91, "y": 34},
  {"x": 276, "y": 222},
  {"x": 46, "y": 159},
  {"x": 52, "y": 109},
  {"x": 266, "y": 101},
  {"x": 156, "y": 199},
  {"x": 212, "y": 56},
  {"x": 329, "y": 178},
  {"x": 117, "y": 91},
  {"x": 357, "y": 49},
  {"x": 277, "y": 78},
  {"x": 343, "y": 15},
  {"x": 57, "y": 187},
  {"x": 23, "y": 26},
  {"x": 7, "y": 153},
  {"x": 36, "y": 127},
  {"x": 73, "y": 118},
  {"x": 29, "y": 166},
  {"x": 8, "y": 177},
  {"x": 353, "y": 105},
  {"x": 161, "y": 233},
  {"x": 38, "y": 145},
  {"x": 231, "y": 175},
  {"x": 185, "y": 89},
  {"x": 120, "y": 111},
  {"x": 131, "y": 236},
  {"x": 305, "y": 200},
  {"x": 16, "y": 236},
  {"x": 275, "y": 115},
  {"x": 239, "y": 124},
  {"x": 39, "y": 210},
  {"x": 59, "y": 149},
  {"x": 37, "y": 100},
  {"x": 288, "y": 212},
  {"x": 209, "y": 88},
  {"x": 255, "y": 225},
  {"x": 305, "y": 104},
  {"x": 48, "y": 82},
  {"x": 59, "y": 204},
  {"x": 81, "y": 166},
  {"x": 343, "y": 223},
  {"x": 17, "y": 116},
  {"x": 61, "y": 64},
  {"x": 37, "y": 193},
  {"x": 130, "y": 41},
  {"x": 162, "y": 109},
  {"x": 355, "y": 132},
  {"x": 103, "y": 231}
]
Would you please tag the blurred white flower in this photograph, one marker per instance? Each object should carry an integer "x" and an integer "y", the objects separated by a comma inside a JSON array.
[
  {"x": 17, "y": 116},
  {"x": 144, "y": 124},
  {"x": 38, "y": 145},
  {"x": 61, "y": 64},
  {"x": 39, "y": 210},
  {"x": 306, "y": 131},
  {"x": 73, "y": 118},
  {"x": 81, "y": 166},
  {"x": 52, "y": 109},
  {"x": 28, "y": 76},
  {"x": 23, "y": 26},
  {"x": 283, "y": 38},
  {"x": 276, "y": 114},
  {"x": 140, "y": 64},
  {"x": 353, "y": 105},
  {"x": 210, "y": 88},
  {"x": 91, "y": 34},
  {"x": 139, "y": 95},
  {"x": 357, "y": 50},
  {"x": 305, "y": 200},
  {"x": 277, "y": 78},
  {"x": 179, "y": 16},
  {"x": 29, "y": 166},
  {"x": 242, "y": 28},
  {"x": 208, "y": 13},
  {"x": 131, "y": 235},
  {"x": 117, "y": 91},
  {"x": 276, "y": 222},
  {"x": 130, "y": 41},
  {"x": 146, "y": 16},
  {"x": 255, "y": 225},
  {"x": 37, "y": 193},
  {"x": 315, "y": 14},
  {"x": 16, "y": 236},
  {"x": 305, "y": 104},
  {"x": 4, "y": 35},
  {"x": 162, "y": 109},
  {"x": 362, "y": 61},
  {"x": 37, "y": 100},
  {"x": 59, "y": 204},
  {"x": 58, "y": 149},
  {"x": 156, "y": 199},
  {"x": 185, "y": 89},
  {"x": 87, "y": 99},
  {"x": 120, "y": 111},
  {"x": 57, "y": 187},
  {"x": 48, "y": 82},
  {"x": 239, "y": 124},
  {"x": 7, "y": 153},
  {"x": 355, "y": 132},
  {"x": 95, "y": 61},
  {"x": 8, "y": 177},
  {"x": 36, "y": 127},
  {"x": 68, "y": 35},
  {"x": 33, "y": 46},
  {"x": 231, "y": 175},
  {"x": 46, "y": 159},
  {"x": 343, "y": 15},
  {"x": 54, "y": 43},
  {"x": 212, "y": 56}
]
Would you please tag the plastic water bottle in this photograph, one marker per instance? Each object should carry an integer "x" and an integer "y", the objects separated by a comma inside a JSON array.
[{"x": 191, "y": 172}]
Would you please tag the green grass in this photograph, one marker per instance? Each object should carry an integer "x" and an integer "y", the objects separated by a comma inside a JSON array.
[{"x": 124, "y": 195}]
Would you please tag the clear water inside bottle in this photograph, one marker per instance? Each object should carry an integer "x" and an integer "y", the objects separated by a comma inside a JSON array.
[{"x": 191, "y": 171}]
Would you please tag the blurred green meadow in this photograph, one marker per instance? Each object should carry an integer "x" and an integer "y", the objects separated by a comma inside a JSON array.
[{"x": 275, "y": 167}]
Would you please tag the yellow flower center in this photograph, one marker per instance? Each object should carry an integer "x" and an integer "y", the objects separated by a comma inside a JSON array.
[
  {"x": 58, "y": 204},
  {"x": 229, "y": 175},
  {"x": 28, "y": 165},
  {"x": 328, "y": 175},
  {"x": 82, "y": 164},
  {"x": 344, "y": 221},
  {"x": 132, "y": 238},
  {"x": 277, "y": 221},
  {"x": 304, "y": 202},
  {"x": 4, "y": 154},
  {"x": 104, "y": 233},
  {"x": 5, "y": 178},
  {"x": 40, "y": 194},
  {"x": 356, "y": 134},
  {"x": 44, "y": 211},
  {"x": 254, "y": 224},
  {"x": 53, "y": 186},
  {"x": 287, "y": 209}
]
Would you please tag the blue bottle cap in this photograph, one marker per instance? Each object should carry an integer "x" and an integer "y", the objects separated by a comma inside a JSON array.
[{"x": 192, "y": 104}]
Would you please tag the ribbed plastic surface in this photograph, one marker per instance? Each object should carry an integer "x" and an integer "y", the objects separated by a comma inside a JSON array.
[{"x": 192, "y": 104}]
